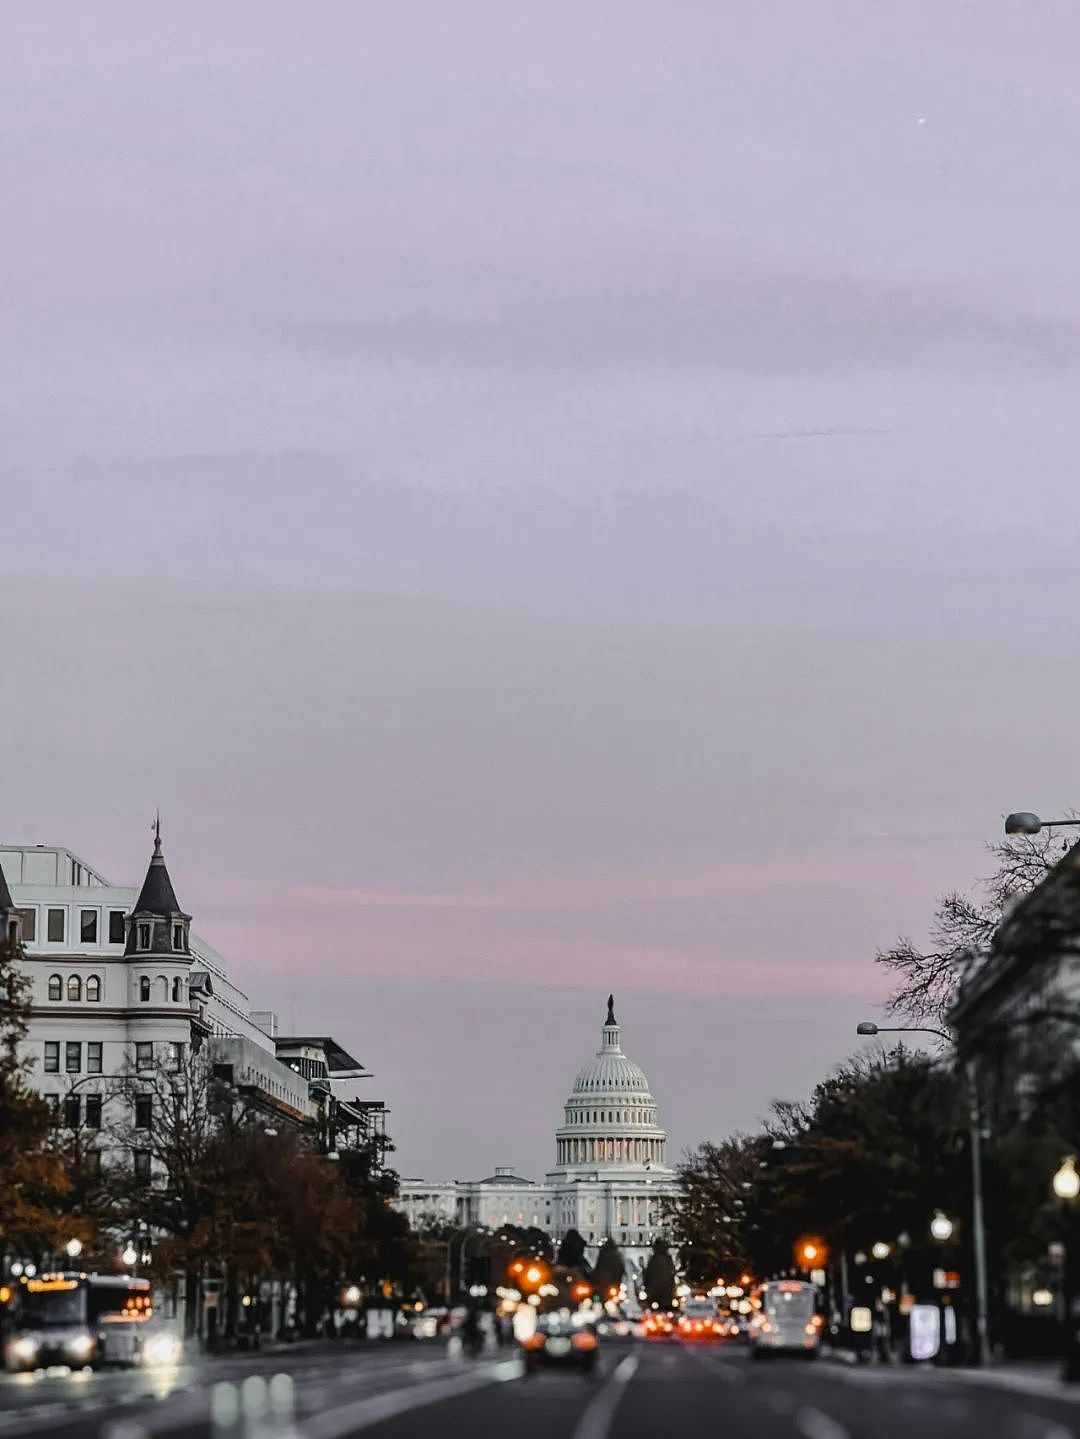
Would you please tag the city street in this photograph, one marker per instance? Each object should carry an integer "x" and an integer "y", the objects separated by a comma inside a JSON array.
[{"x": 405, "y": 1392}]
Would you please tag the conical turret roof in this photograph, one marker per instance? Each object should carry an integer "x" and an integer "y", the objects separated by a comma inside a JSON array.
[{"x": 157, "y": 895}]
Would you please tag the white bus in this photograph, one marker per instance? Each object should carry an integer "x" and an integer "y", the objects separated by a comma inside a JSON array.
[
  {"x": 82, "y": 1320},
  {"x": 786, "y": 1319}
]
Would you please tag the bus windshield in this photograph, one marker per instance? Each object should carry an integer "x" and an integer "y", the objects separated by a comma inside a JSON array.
[{"x": 52, "y": 1304}]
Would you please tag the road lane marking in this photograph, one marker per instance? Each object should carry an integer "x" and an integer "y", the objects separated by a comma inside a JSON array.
[
  {"x": 362, "y": 1413},
  {"x": 815, "y": 1424},
  {"x": 596, "y": 1420}
]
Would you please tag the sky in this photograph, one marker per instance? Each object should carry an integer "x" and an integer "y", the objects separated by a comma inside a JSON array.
[{"x": 547, "y": 499}]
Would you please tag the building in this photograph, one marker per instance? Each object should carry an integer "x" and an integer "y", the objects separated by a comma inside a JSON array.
[
  {"x": 122, "y": 987},
  {"x": 1016, "y": 1015},
  {"x": 610, "y": 1178}
]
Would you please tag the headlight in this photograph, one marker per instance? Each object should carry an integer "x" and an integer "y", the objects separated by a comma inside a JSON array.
[
  {"x": 24, "y": 1349},
  {"x": 161, "y": 1349},
  {"x": 80, "y": 1347}
]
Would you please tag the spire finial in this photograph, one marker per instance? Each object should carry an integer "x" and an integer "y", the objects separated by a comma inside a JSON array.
[
  {"x": 610, "y": 1010},
  {"x": 157, "y": 832}
]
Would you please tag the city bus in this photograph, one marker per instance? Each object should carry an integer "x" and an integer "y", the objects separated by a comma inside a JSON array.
[
  {"x": 82, "y": 1320},
  {"x": 786, "y": 1319}
]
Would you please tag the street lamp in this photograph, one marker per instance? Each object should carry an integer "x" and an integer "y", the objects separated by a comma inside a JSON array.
[
  {"x": 1066, "y": 1181},
  {"x": 941, "y": 1227},
  {"x": 1066, "y": 1186},
  {"x": 1026, "y": 823},
  {"x": 73, "y": 1248},
  {"x": 880, "y": 1250},
  {"x": 130, "y": 1255},
  {"x": 978, "y": 1227}
]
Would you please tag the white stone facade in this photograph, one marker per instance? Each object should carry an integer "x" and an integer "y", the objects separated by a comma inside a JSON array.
[
  {"x": 100, "y": 1011},
  {"x": 610, "y": 1180}
]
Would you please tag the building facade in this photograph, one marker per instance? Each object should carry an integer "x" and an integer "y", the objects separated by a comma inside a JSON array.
[
  {"x": 122, "y": 988},
  {"x": 610, "y": 1179},
  {"x": 1016, "y": 1015}
]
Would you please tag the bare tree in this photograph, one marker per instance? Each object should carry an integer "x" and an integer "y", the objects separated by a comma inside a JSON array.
[{"x": 963, "y": 928}]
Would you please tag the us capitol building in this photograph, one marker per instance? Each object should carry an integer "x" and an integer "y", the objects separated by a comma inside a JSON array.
[{"x": 610, "y": 1180}]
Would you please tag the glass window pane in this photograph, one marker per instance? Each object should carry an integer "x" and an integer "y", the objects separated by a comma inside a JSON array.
[
  {"x": 52, "y": 1056},
  {"x": 93, "y": 1111},
  {"x": 88, "y": 926},
  {"x": 74, "y": 989},
  {"x": 93, "y": 1057},
  {"x": 116, "y": 926},
  {"x": 56, "y": 987},
  {"x": 93, "y": 989},
  {"x": 29, "y": 924},
  {"x": 55, "y": 926},
  {"x": 72, "y": 1057}
]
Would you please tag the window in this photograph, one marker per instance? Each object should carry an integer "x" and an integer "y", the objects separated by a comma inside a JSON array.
[
  {"x": 52, "y": 1056},
  {"x": 142, "y": 1165},
  {"x": 93, "y": 989},
  {"x": 93, "y": 1111},
  {"x": 88, "y": 926},
  {"x": 74, "y": 989},
  {"x": 73, "y": 1056},
  {"x": 144, "y": 1111},
  {"x": 144, "y": 1055},
  {"x": 54, "y": 926},
  {"x": 93, "y": 1057},
  {"x": 29, "y": 924},
  {"x": 144, "y": 989},
  {"x": 178, "y": 991},
  {"x": 92, "y": 1158},
  {"x": 178, "y": 936},
  {"x": 72, "y": 1110},
  {"x": 176, "y": 1056},
  {"x": 56, "y": 987},
  {"x": 116, "y": 926},
  {"x": 143, "y": 936}
]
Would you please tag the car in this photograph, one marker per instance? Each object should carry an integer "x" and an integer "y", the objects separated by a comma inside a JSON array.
[
  {"x": 560, "y": 1340},
  {"x": 657, "y": 1325},
  {"x": 700, "y": 1323}
]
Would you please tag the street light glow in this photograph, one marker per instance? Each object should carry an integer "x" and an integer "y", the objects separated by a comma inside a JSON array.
[
  {"x": 73, "y": 1248},
  {"x": 129, "y": 1255},
  {"x": 1066, "y": 1181},
  {"x": 941, "y": 1226},
  {"x": 880, "y": 1250}
]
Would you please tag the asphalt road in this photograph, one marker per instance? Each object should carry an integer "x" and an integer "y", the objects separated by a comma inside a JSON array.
[{"x": 643, "y": 1391}]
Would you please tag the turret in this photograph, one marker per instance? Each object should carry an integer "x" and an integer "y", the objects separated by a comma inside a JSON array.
[{"x": 157, "y": 924}]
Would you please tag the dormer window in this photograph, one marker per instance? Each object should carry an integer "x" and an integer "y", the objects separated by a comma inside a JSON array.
[
  {"x": 142, "y": 935},
  {"x": 178, "y": 936}
]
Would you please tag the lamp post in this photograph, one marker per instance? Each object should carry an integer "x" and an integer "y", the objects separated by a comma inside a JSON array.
[
  {"x": 978, "y": 1226},
  {"x": 1066, "y": 1187},
  {"x": 469, "y": 1234}
]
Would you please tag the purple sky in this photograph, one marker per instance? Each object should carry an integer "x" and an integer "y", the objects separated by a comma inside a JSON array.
[{"x": 547, "y": 498}]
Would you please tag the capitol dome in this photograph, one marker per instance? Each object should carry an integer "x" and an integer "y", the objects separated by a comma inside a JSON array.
[{"x": 611, "y": 1116}]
